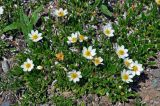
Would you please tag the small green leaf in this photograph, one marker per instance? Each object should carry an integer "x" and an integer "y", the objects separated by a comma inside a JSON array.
[
  {"x": 104, "y": 10},
  {"x": 152, "y": 63},
  {"x": 11, "y": 27},
  {"x": 25, "y": 25},
  {"x": 34, "y": 18},
  {"x": 97, "y": 2}
]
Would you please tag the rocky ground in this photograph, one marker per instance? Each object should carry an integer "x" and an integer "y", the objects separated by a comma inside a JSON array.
[{"x": 150, "y": 89}]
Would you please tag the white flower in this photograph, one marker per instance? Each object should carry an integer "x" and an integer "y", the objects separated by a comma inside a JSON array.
[
  {"x": 88, "y": 53},
  {"x": 122, "y": 52},
  {"x": 158, "y": 2},
  {"x": 81, "y": 37},
  {"x": 1, "y": 10},
  {"x": 127, "y": 76},
  {"x": 35, "y": 36},
  {"x": 120, "y": 87},
  {"x": 39, "y": 67},
  {"x": 56, "y": 62},
  {"x": 74, "y": 76},
  {"x": 73, "y": 38},
  {"x": 60, "y": 12},
  {"x": 125, "y": 15},
  {"x": 136, "y": 68},
  {"x": 129, "y": 89},
  {"x": 107, "y": 93},
  {"x": 97, "y": 61},
  {"x": 108, "y": 30},
  {"x": 128, "y": 62},
  {"x": 28, "y": 65}
]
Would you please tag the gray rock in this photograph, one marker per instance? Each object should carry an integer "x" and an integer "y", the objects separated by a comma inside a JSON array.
[
  {"x": 5, "y": 104},
  {"x": 156, "y": 73},
  {"x": 44, "y": 104},
  {"x": 5, "y": 65},
  {"x": 156, "y": 83},
  {"x": 90, "y": 98}
]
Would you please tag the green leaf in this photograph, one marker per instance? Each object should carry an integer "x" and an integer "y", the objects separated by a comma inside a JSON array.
[
  {"x": 151, "y": 63},
  {"x": 97, "y": 2},
  {"x": 12, "y": 26},
  {"x": 25, "y": 25},
  {"x": 34, "y": 18},
  {"x": 104, "y": 10}
]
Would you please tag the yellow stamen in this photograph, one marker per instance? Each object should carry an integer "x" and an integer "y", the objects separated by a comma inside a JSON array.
[
  {"x": 158, "y": 2},
  {"x": 127, "y": 63},
  {"x": 74, "y": 40},
  {"x": 61, "y": 14},
  {"x": 121, "y": 52},
  {"x": 125, "y": 77},
  {"x": 107, "y": 31},
  {"x": 96, "y": 61},
  {"x": 135, "y": 68},
  {"x": 74, "y": 75},
  {"x": 35, "y": 36},
  {"x": 28, "y": 65},
  {"x": 88, "y": 53},
  {"x": 81, "y": 37}
]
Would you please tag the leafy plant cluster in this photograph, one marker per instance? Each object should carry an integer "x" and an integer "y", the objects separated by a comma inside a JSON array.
[{"x": 137, "y": 30}]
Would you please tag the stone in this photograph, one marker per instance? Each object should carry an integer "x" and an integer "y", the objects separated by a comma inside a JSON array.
[
  {"x": 67, "y": 94},
  {"x": 1, "y": 100},
  {"x": 5, "y": 65},
  {"x": 90, "y": 98},
  {"x": 147, "y": 98},
  {"x": 5, "y": 104},
  {"x": 156, "y": 73}
]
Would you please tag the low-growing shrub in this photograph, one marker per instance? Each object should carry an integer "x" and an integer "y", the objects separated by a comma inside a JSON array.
[{"x": 82, "y": 47}]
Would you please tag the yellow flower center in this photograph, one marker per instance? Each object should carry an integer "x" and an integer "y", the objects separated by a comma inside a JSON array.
[
  {"x": 135, "y": 68},
  {"x": 96, "y": 61},
  {"x": 127, "y": 63},
  {"x": 61, "y": 14},
  {"x": 88, "y": 53},
  {"x": 28, "y": 65},
  {"x": 35, "y": 36},
  {"x": 121, "y": 52},
  {"x": 74, "y": 75},
  {"x": 74, "y": 40},
  {"x": 107, "y": 31},
  {"x": 81, "y": 37},
  {"x": 125, "y": 77},
  {"x": 158, "y": 2}
]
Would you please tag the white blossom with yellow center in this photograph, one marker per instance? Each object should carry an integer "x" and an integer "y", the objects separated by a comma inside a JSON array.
[
  {"x": 122, "y": 52},
  {"x": 127, "y": 76},
  {"x": 158, "y": 2},
  {"x": 108, "y": 30},
  {"x": 97, "y": 61},
  {"x": 81, "y": 37},
  {"x": 128, "y": 62},
  {"x": 28, "y": 65},
  {"x": 60, "y": 12},
  {"x": 35, "y": 36},
  {"x": 74, "y": 76},
  {"x": 88, "y": 52},
  {"x": 136, "y": 68},
  {"x": 73, "y": 38}
]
